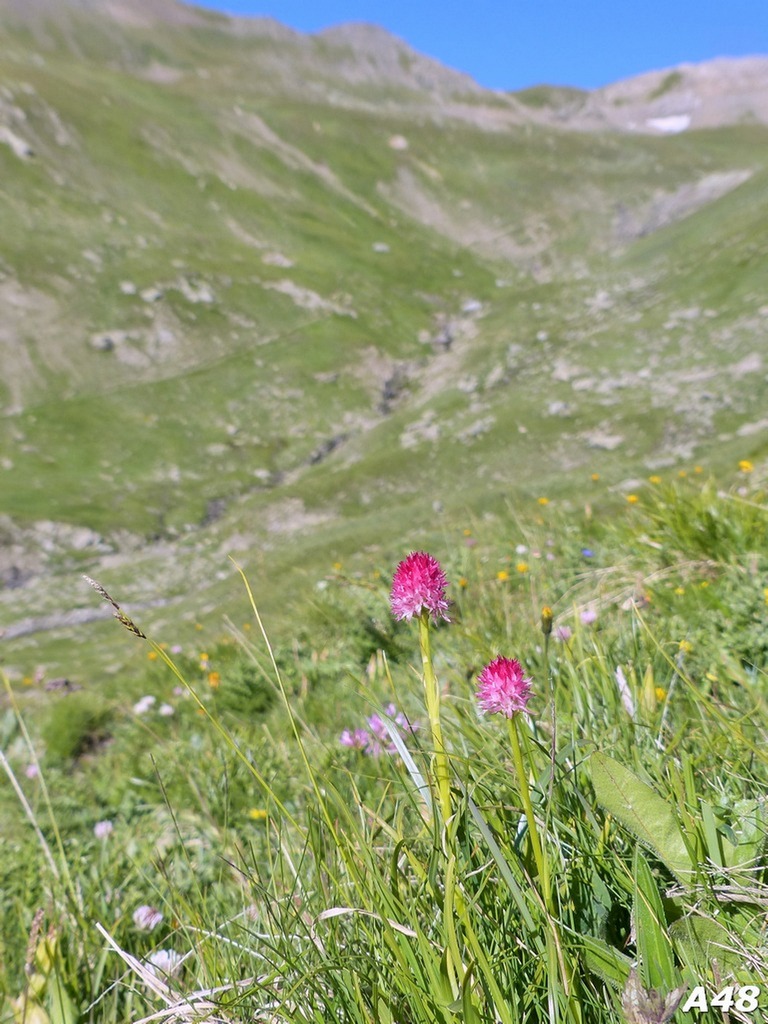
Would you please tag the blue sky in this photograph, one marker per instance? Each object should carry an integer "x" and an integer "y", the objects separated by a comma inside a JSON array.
[{"x": 512, "y": 45}]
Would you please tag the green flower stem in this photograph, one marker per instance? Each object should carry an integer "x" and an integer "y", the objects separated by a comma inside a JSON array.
[
  {"x": 525, "y": 794},
  {"x": 557, "y": 956},
  {"x": 432, "y": 694}
]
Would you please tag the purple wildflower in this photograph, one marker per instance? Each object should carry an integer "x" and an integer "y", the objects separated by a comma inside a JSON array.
[
  {"x": 376, "y": 739},
  {"x": 102, "y": 829},
  {"x": 358, "y": 739}
]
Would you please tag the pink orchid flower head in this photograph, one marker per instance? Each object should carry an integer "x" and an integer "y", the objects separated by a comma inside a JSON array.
[
  {"x": 503, "y": 688},
  {"x": 419, "y": 585}
]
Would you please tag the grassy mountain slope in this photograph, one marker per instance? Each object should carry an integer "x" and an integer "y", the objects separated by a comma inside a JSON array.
[{"x": 305, "y": 292}]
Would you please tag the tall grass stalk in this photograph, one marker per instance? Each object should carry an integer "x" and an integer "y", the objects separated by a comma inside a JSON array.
[{"x": 432, "y": 699}]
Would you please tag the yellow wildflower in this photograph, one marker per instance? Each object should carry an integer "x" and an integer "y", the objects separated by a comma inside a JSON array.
[
  {"x": 543, "y": 501},
  {"x": 337, "y": 566},
  {"x": 632, "y": 499},
  {"x": 679, "y": 591},
  {"x": 746, "y": 466},
  {"x": 467, "y": 533},
  {"x": 152, "y": 655},
  {"x": 522, "y": 567},
  {"x": 654, "y": 479},
  {"x": 685, "y": 646},
  {"x": 462, "y": 582},
  {"x": 502, "y": 575},
  {"x": 698, "y": 469},
  {"x": 661, "y": 693},
  {"x": 546, "y": 620},
  {"x": 257, "y": 814},
  {"x": 682, "y": 474},
  {"x": 214, "y": 680},
  {"x": 595, "y": 477}
]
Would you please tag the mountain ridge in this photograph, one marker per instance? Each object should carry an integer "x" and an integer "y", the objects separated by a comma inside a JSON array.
[{"x": 724, "y": 90}]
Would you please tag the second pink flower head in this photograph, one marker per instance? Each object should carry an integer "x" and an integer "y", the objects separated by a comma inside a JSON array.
[
  {"x": 503, "y": 688},
  {"x": 418, "y": 585}
]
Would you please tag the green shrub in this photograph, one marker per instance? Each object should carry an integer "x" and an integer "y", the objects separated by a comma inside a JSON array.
[
  {"x": 244, "y": 690},
  {"x": 77, "y": 723}
]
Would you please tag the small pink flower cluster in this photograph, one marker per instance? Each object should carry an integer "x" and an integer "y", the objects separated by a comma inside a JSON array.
[
  {"x": 419, "y": 585},
  {"x": 376, "y": 740},
  {"x": 503, "y": 689}
]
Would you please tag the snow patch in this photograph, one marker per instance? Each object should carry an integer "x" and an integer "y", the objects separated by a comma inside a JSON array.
[{"x": 672, "y": 125}]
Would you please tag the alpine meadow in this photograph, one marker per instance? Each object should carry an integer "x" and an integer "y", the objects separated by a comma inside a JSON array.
[{"x": 383, "y": 532}]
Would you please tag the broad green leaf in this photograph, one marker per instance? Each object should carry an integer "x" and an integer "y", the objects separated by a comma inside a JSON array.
[
  {"x": 648, "y": 699},
  {"x": 469, "y": 1010},
  {"x": 446, "y": 994},
  {"x": 654, "y": 949},
  {"x": 61, "y": 1009},
  {"x": 750, "y": 833},
  {"x": 701, "y": 940},
  {"x": 383, "y": 1012},
  {"x": 640, "y": 809},
  {"x": 30, "y": 1012},
  {"x": 711, "y": 835},
  {"x": 605, "y": 961}
]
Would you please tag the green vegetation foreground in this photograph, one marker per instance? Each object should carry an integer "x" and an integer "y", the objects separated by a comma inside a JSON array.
[{"x": 524, "y": 782}]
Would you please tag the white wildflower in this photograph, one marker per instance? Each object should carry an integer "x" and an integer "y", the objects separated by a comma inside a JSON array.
[
  {"x": 142, "y": 706},
  {"x": 166, "y": 962},
  {"x": 146, "y": 918}
]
